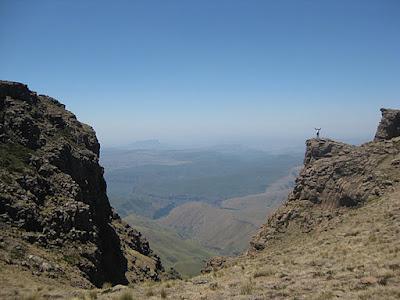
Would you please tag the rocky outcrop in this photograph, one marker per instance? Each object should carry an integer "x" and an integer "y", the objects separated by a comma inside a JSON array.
[
  {"x": 214, "y": 264},
  {"x": 389, "y": 127},
  {"x": 53, "y": 194},
  {"x": 336, "y": 177},
  {"x": 324, "y": 148}
]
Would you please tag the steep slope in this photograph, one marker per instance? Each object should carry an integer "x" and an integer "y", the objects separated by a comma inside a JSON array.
[
  {"x": 214, "y": 228},
  {"x": 335, "y": 176},
  {"x": 185, "y": 255},
  {"x": 55, "y": 217},
  {"x": 337, "y": 236}
]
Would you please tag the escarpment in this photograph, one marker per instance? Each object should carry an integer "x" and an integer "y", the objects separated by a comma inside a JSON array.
[
  {"x": 336, "y": 177},
  {"x": 55, "y": 217}
]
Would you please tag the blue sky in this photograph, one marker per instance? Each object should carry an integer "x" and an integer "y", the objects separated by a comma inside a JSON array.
[{"x": 209, "y": 71}]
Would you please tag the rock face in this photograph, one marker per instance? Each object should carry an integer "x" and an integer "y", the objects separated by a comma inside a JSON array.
[
  {"x": 53, "y": 194},
  {"x": 336, "y": 177},
  {"x": 389, "y": 127}
]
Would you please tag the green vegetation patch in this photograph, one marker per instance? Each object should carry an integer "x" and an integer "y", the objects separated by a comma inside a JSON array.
[
  {"x": 14, "y": 157},
  {"x": 66, "y": 133},
  {"x": 72, "y": 259},
  {"x": 186, "y": 256}
]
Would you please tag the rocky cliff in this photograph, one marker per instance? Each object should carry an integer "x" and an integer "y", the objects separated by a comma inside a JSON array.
[
  {"x": 55, "y": 217},
  {"x": 337, "y": 176}
]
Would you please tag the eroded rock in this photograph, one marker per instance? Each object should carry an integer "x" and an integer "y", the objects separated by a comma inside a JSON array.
[
  {"x": 389, "y": 127},
  {"x": 52, "y": 190}
]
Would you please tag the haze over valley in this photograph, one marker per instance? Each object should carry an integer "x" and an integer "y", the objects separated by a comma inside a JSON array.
[{"x": 211, "y": 199}]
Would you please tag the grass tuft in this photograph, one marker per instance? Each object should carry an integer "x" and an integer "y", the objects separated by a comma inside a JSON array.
[
  {"x": 34, "y": 296},
  {"x": 163, "y": 293},
  {"x": 247, "y": 288},
  {"x": 264, "y": 273},
  {"x": 126, "y": 296},
  {"x": 149, "y": 293}
]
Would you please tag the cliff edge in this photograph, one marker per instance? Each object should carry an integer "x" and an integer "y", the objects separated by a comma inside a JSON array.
[
  {"x": 55, "y": 217},
  {"x": 337, "y": 176}
]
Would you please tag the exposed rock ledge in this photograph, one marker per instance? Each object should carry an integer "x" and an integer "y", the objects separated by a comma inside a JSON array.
[{"x": 336, "y": 177}]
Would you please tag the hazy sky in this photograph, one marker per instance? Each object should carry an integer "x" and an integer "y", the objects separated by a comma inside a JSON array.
[{"x": 216, "y": 71}]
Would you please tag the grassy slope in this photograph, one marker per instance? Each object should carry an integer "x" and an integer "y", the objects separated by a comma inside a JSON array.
[
  {"x": 355, "y": 255},
  {"x": 185, "y": 255},
  {"x": 214, "y": 228}
]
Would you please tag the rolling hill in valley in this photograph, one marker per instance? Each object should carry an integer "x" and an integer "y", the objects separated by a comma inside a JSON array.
[
  {"x": 185, "y": 255},
  {"x": 228, "y": 228}
]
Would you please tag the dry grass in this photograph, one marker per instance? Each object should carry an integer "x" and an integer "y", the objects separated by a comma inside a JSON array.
[
  {"x": 149, "y": 293},
  {"x": 92, "y": 295},
  {"x": 163, "y": 293},
  {"x": 34, "y": 296},
  {"x": 264, "y": 273},
  {"x": 325, "y": 296},
  {"x": 247, "y": 288},
  {"x": 126, "y": 296}
]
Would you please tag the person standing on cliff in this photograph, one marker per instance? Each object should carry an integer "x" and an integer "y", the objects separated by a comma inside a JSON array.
[{"x": 318, "y": 130}]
